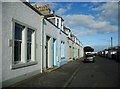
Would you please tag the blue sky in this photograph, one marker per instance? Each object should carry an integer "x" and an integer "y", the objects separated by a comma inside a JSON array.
[{"x": 94, "y": 23}]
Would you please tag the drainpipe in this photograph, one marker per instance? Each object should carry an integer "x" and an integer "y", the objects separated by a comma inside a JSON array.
[
  {"x": 58, "y": 49},
  {"x": 42, "y": 42}
]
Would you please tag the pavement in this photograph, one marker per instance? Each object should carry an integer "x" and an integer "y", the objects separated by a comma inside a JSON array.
[{"x": 60, "y": 77}]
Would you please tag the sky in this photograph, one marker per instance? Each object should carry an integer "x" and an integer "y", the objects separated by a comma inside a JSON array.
[{"x": 93, "y": 23}]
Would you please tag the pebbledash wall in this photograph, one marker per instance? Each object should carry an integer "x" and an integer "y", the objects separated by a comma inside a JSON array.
[{"x": 18, "y": 12}]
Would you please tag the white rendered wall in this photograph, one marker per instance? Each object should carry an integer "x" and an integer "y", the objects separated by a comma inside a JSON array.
[
  {"x": 22, "y": 13},
  {"x": 70, "y": 50},
  {"x": 63, "y": 37},
  {"x": 51, "y": 31}
]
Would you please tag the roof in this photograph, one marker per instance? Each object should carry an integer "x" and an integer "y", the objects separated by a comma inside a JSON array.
[
  {"x": 29, "y": 5},
  {"x": 66, "y": 28},
  {"x": 43, "y": 9}
]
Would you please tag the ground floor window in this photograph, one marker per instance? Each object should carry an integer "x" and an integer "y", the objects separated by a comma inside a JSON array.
[
  {"x": 24, "y": 43},
  {"x": 29, "y": 43},
  {"x": 62, "y": 49},
  {"x": 17, "y": 42}
]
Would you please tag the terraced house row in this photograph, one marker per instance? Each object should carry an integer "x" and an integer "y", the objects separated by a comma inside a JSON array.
[{"x": 32, "y": 40}]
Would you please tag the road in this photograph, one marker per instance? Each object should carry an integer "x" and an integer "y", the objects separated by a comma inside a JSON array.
[{"x": 103, "y": 73}]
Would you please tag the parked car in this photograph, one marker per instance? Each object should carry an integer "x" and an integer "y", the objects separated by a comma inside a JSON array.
[{"x": 89, "y": 58}]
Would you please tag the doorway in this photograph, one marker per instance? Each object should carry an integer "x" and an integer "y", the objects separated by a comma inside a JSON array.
[
  {"x": 47, "y": 50},
  {"x": 78, "y": 53}
]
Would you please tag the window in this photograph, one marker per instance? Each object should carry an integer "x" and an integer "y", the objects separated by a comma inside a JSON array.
[
  {"x": 29, "y": 43},
  {"x": 24, "y": 46},
  {"x": 17, "y": 42},
  {"x": 62, "y": 49},
  {"x": 57, "y": 22}
]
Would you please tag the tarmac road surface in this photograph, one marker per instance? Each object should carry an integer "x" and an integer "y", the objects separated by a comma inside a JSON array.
[{"x": 103, "y": 73}]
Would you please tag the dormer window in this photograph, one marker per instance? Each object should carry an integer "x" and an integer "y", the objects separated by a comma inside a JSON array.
[{"x": 55, "y": 19}]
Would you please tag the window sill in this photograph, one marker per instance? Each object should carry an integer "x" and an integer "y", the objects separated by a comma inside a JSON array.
[{"x": 21, "y": 65}]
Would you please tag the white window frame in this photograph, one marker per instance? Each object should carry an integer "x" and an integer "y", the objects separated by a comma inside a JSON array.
[
  {"x": 32, "y": 44},
  {"x": 24, "y": 62},
  {"x": 16, "y": 62}
]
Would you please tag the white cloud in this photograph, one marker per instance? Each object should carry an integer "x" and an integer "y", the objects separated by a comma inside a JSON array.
[
  {"x": 103, "y": 27},
  {"x": 98, "y": 25},
  {"x": 105, "y": 23},
  {"x": 78, "y": 20},
  {"x": 60, "y": 11},
  {"x": 64, "y": 9},
  {"x": 109, "y": 11},
  {"x": 89, "y": 23},
  {"x": 80, "y": 33}
]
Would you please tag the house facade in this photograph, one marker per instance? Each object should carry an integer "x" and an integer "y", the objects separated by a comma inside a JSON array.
[
  {"x": 21, "y": 39},
  {"x": 59, "y": 40},
  {"x": 51, "y": 45},
  {"x": 32, "y": 42},
  {"x": 63, "y": 48}
]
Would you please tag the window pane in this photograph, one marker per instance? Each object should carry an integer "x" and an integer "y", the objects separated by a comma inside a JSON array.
[
  {"x": 57, "y": 22},
  {"x": 28, "y": 51},
  {"x": 17, "y": 51},
  {"x": 29, "y": 35},
  {"x": 29, "y": 43},
  {"x": 18, "y": 31}
]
